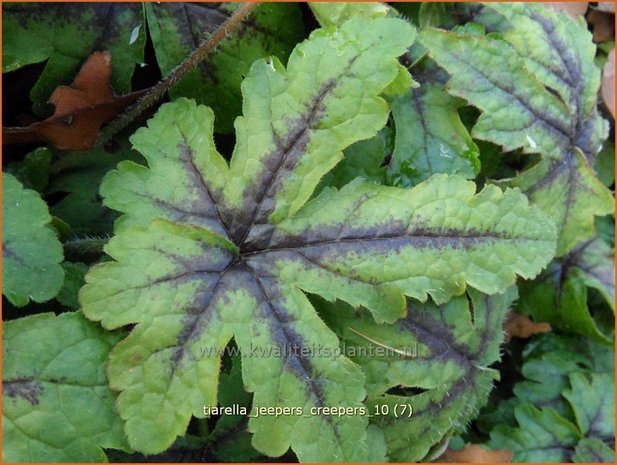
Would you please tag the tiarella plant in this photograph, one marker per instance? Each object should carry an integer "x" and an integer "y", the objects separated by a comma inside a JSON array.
[{"x": 265, "y": 279}]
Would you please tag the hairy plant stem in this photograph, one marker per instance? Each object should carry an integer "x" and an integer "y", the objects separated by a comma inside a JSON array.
[
  {"x": 83, "y": 248},
  {"x": 157, "y": 91}
]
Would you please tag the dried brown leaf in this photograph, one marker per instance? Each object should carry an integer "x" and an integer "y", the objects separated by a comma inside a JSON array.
[
  {"x": 517, "y": 325},
  {"x": 473, "y": 453},
  {"x": 81, "y": 109},
  {"x": 603, "y": 26}
]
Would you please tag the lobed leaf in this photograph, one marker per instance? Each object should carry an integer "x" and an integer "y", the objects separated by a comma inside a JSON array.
[
  {"x": 559, "y": 295},
  {"x": 57, "y": 405},
  {"x": 435, "y": 359},
  {"x": 207, "y": 251},
  {"x": 537, "y": 90},
  {"x": 31, "y": 252}
]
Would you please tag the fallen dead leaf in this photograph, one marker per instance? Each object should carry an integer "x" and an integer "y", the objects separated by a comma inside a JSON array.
[
  {"x": 572, "y": 8},
  {"x": 517, "y": 325},
  {"x": 603, "y": 26},
  {"x": 81, "y": 109},
  {"x": 608, "y": 83},
  {"x": 473, "y": 453}
]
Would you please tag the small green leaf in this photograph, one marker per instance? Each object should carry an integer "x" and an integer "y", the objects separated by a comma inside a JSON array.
[
  {"x": 593, "y": 401},
  {"x": 57, "y": 405},
  {"x": 77, "y": 176},
  {"x": 178, "y": 28},
  {"x": 430, "y": 137},
  {"x": 542, "y": 436},
  {"x": 31, "y": 252},
  {"x": 559, "y": 295},
  {"x": 73, "y": 281},
  {"x": 33, "y": 170},
  {"x": 592, "y": 450},
  {"x": 364, "y": 160},
  {"x": 65, "y": 35}
]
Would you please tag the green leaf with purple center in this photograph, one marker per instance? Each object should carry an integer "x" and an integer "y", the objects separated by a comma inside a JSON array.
[{"x": 209, "y": 251}]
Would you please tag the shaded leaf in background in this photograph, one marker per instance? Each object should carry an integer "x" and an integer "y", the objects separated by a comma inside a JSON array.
[
  {"x": 33, "y": 170},
  {"x": 65, "y": 35},
  {"x": 230, "y": 441},
  {"x": 73, "y": 281},
  {"x": 81, "y": 109},
  {"x": 568, "y": 378},
  {"x": 364, "y": 160},
  {"x": 541, "y": 436},
  {"x": 441, "y": 369},
  {"x": 56, "y": 402},
  {"x": 592, "y": 450},
  {"x": 208, "y": 251},
  {"x": 430, "y": 137},
  {"x": 510, "y": 85},
  {"x": 31, "y": 251},
  {"x": 559, "y": 294},
  {"x": 78, "y": 176},
  {"x": 177, "y": 29}
]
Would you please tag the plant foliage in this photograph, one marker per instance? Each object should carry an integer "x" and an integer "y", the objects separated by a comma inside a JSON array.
[{"x": 331, "y": 258}]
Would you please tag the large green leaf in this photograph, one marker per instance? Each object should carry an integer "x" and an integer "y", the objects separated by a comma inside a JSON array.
[
  {"x": 65, "y": 34},
  {"x": 537, "y": 92},
  {"x": 177, "y": 29},
  {"x": 208, "y": 251},
  {"x": 57, "y": 405},
  {"x": 31, "y": 252},
  {"x": 559, "y": 295},
  {"x": 435, "y": 360}
]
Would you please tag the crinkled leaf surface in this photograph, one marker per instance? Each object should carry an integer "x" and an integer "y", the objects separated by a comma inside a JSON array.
[
  {"x": 57, "y": 405},
  {"x": 208, "y": 251},
  {"x": 441, "y": 369},
  {"x": 31, "y": 252},
  {"x": 65, "y": 34},
  {"x": 178, "y": 28},
  {"x": 559, "y": 295},
  {"x": 537, "y": 92}
]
